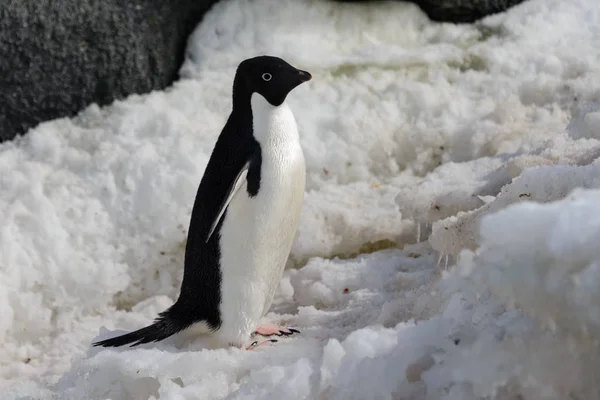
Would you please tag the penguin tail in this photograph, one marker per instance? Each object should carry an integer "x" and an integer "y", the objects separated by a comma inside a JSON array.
[{"x": 163, "y": 327}]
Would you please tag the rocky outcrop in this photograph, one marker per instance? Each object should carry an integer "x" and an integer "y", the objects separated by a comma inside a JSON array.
[
  {"x": 59, "y": 56},
  {"x": 459, "y": 11}
]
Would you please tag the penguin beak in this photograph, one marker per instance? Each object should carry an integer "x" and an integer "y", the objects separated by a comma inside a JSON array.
[{"x": 304, "y": 76}]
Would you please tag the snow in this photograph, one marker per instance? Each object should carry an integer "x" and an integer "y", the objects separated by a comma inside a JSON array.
[{"x": 477, "y": 142}]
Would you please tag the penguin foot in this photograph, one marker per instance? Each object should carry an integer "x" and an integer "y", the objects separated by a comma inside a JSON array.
[
  {"x": 272, "y": 329},
  {"x": 256, "y": 344}
]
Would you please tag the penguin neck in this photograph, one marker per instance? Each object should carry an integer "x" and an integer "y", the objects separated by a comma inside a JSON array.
[
  {"x": 241, "y": 97},
  {"x": 273, "y": 125}
]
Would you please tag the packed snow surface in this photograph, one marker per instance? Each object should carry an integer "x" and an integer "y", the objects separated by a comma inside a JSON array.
[{"x": 472, "y": 146}]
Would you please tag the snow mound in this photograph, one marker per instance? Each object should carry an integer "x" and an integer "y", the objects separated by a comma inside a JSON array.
[
  {"x": 539, "y": 182},
  {"x": 543, "y": 259}
]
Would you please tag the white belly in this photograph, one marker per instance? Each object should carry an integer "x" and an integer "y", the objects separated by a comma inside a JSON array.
[{"x": 257, "y": 233}]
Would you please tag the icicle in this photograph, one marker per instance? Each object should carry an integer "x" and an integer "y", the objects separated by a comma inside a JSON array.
[
  {"x": 440, "y": 259},
  {"x": 418, "y": 232},
  {"x": 446, "y": 266}
]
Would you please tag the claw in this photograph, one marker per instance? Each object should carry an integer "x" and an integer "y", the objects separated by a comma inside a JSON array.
[
  {"x": 255, "y": 344},
  {"x": 252, "y": 345},
  {"x": 272, "y": 329}
]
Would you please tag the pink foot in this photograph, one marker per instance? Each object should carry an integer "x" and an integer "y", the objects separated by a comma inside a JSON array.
[
  {"x": 272, "y": 329},
  {"x": 255, "y": 344}
]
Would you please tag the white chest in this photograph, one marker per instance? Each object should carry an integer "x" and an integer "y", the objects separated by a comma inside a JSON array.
[
  {"x": 283, "y": 169},
  {"x": 257, "y": 232}
]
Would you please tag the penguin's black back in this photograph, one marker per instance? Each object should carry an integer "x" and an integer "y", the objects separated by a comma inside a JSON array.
[{"x": 200, "y": 294}]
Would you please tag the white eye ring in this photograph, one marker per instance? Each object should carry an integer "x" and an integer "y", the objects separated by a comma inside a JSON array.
[{"x": 267, "y": 77}]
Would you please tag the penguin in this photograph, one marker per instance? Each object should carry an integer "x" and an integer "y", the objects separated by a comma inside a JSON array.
[{"x": 244, "y": 218}]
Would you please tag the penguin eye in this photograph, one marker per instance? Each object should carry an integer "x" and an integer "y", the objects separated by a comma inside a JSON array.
[{"x": 267, "y": 77}]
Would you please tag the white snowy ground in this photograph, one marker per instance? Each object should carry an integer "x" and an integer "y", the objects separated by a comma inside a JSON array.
[{"x": 409, "y": 127}]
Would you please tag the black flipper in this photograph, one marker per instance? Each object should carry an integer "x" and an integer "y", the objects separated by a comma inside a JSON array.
[
  {"x": 236, "y": 185},
  {"x": 162, "y": 328}
]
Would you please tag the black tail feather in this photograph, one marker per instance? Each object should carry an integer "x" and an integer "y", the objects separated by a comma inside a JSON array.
[{"x": 162, "y": 328}]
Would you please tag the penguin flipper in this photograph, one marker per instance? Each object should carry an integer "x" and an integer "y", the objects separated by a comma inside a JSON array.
[{"x": 235, "y": 187}]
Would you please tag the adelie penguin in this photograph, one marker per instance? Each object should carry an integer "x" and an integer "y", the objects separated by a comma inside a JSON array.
[{"x": 244, "y": 217}]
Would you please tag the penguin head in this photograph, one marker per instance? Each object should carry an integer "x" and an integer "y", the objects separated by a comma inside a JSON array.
[{"x": 271, "y": 77}]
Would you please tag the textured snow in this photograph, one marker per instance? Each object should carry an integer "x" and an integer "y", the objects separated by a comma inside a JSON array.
[{"x": 422, "y": 140}]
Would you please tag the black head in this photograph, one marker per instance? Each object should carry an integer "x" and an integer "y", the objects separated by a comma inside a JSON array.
[{"x": 271, "y": 77}]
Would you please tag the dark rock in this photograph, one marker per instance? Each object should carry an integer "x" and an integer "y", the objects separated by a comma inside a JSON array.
[
  {"x": 463, "y": 11},
  {"x": 59, "y": 56},
  {"x": 459, "y": 11}
]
